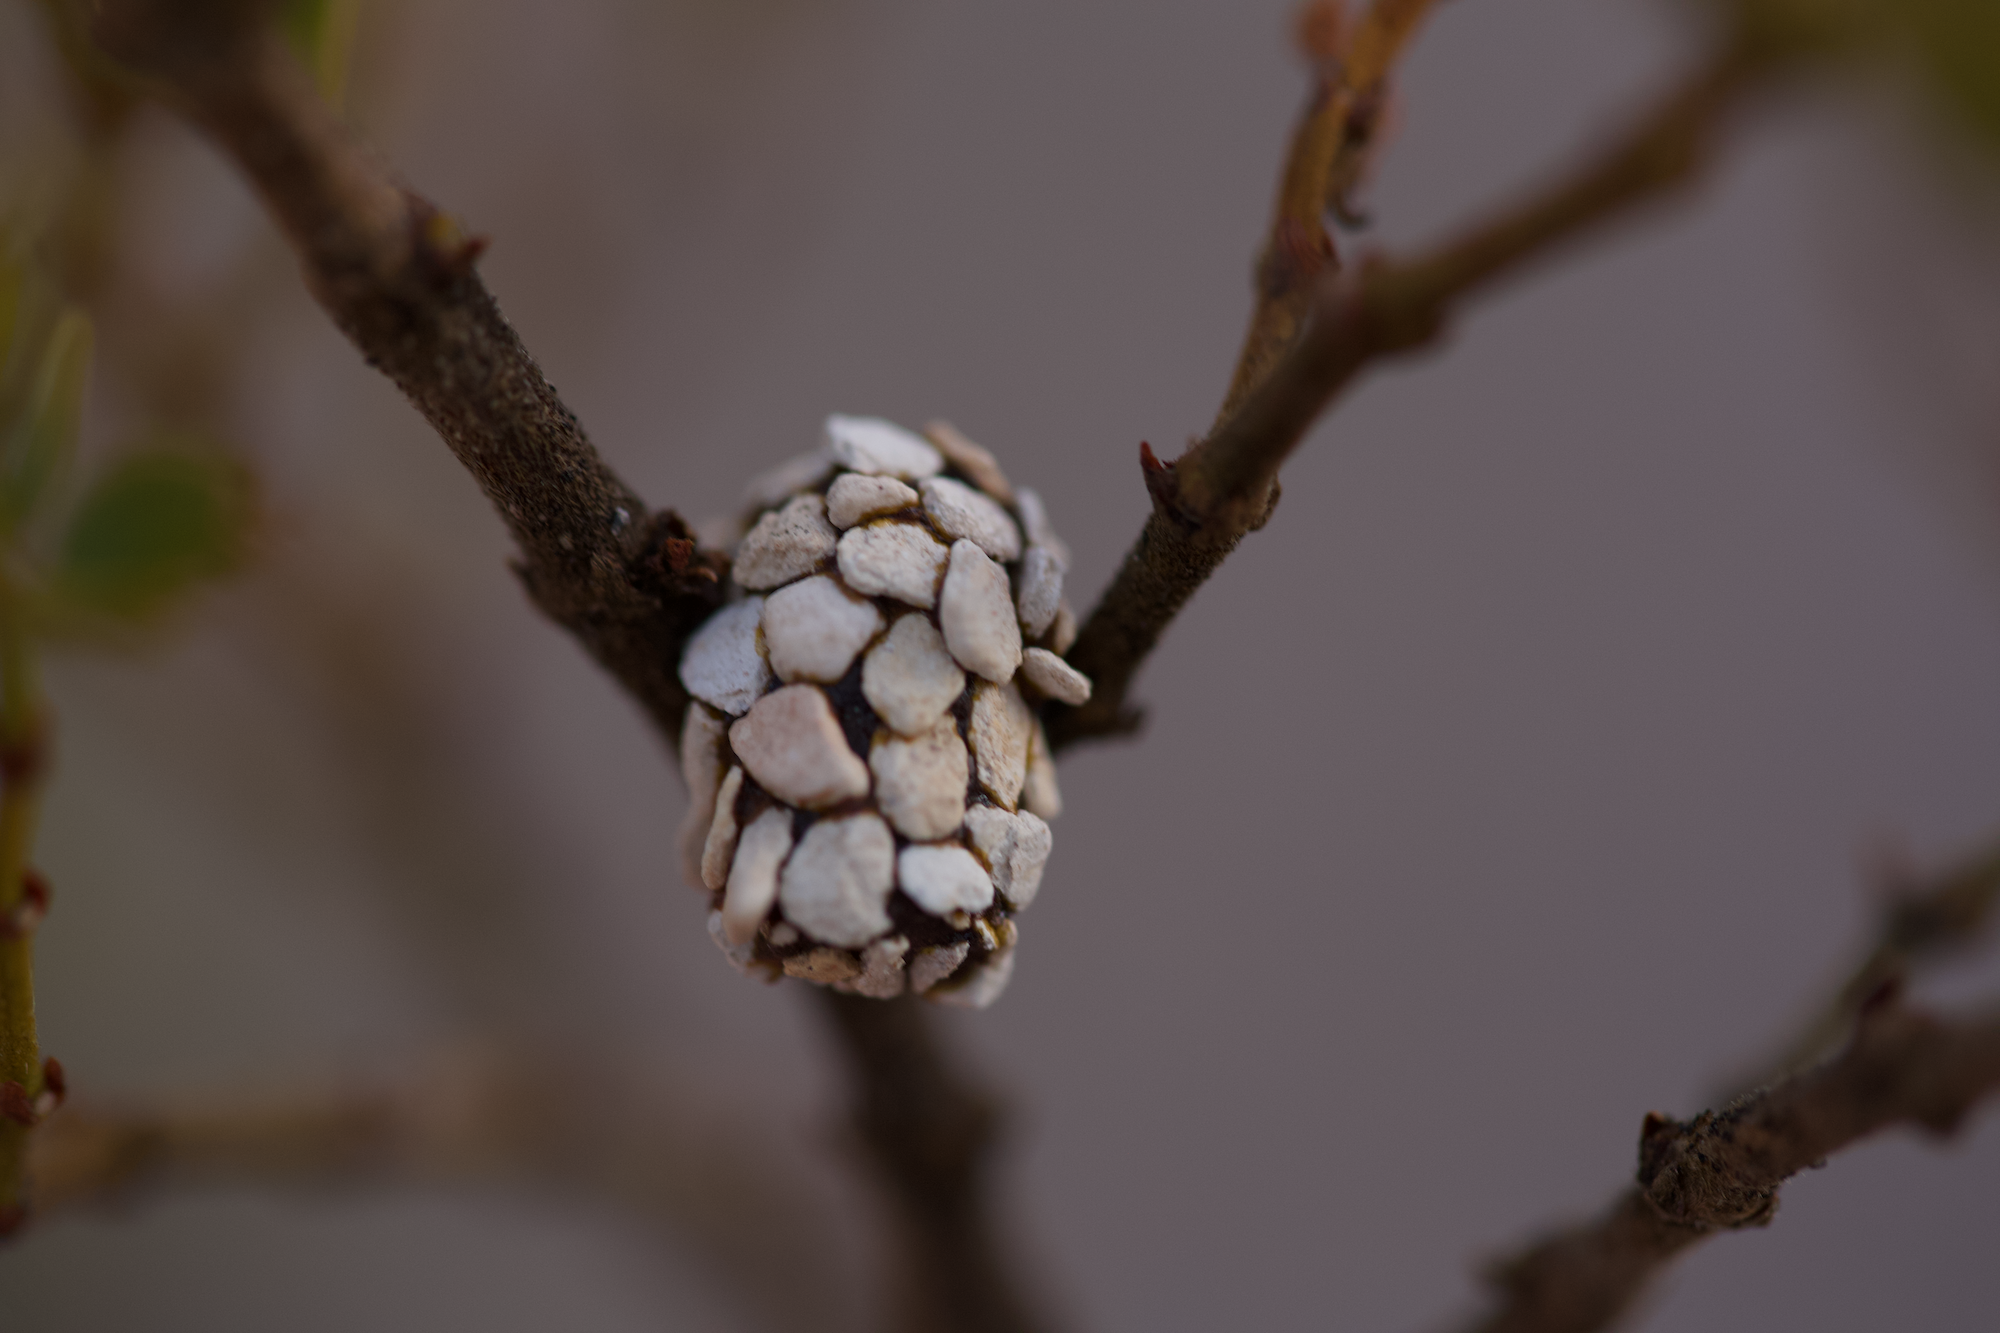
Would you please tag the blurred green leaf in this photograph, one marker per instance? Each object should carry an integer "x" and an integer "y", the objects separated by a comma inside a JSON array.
[
  {"x": 1958, "y": 42},
  {"x": 38, "y": 440},
  {"x": 322, "y": 33},
  {"x": 150, "y": 527}
]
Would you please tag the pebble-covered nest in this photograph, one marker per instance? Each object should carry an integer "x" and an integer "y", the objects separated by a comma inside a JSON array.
[{"x": 869, "y": 779}]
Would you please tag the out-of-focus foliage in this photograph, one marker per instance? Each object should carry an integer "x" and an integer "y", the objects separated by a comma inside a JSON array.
[
  {"x": 151, "y": 527},
  {"x": 322, "y": 32}
]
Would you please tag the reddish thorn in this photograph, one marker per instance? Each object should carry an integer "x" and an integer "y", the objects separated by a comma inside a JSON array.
[
  {"x": 1655, "y": 1125},
  {"x": 28, "y": 913},
  {"x": 1149, "y": 461},
  {"x": 55, "y": 1086},
  {"x": 14, "y": 1103}
]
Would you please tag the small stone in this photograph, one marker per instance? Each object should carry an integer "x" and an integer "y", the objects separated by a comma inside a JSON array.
[
  {"x": 752, "y": 882},
  {"x": 976, "y": 611},
  {"x": 982, "y": 985},
  {"x": 920, "y": 782},
  {"x": 1040, "y": 585},
  {"x": 1035, "y": 518},
  {"x": 909, "y": 679},
  {"x": 788, "y": 478},
  {"x": 720, "y": 846},
  {"x": 793, "y": 745},
  {"x": 739, "y": 955},
  {"x": 1062, "y": 634},
  {"x": 1016, "y": 848},
  {"x": 880, "y": 448},
  {"x": 981, "y": 467},
  {"x": 1055, "y": 677},
  {"x": 933, "y": 965},
  {"x": 899, "y": 560},
  {"x": 881, "y": 969},
  {"x": 1039, "y": 793},
  {"x": 943, "y": 879},
  {"x": 1001, "y": 725},
  {"x": 702, "y": 733},
  {"x": 782, "y": 935},
  {"x": 722, "y": 665},
  {"x": 855, "y": 497},
  {"x": 961, "y": 512},
  {"x": 836, "y": 886},
  {"x": 813, "y": 629},
  {"x": 785, "y": 544},
  {"x": 823, "y": 967}
]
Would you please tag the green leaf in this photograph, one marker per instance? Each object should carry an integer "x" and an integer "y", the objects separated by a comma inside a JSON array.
[
  {"x": 1958, "y": 44},
  {"x": 152, "y": 526},
  {"x": 34, "y": 447},
  {"x": 322, "y": 33}
]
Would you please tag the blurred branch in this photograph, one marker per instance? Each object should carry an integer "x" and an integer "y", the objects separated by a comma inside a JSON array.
[
  {"x": 517, "y": 1118},
  {"x": 1224, "y": 486},
  {"x": 1721, "y": 1170},
  {"x": 398, "y": 277}
]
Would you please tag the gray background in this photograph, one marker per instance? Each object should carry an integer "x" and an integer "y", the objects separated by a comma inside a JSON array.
[{"x": 1514, "y": 782}]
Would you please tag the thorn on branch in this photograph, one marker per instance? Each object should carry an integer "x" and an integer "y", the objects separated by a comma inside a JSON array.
[
  {"x": 443, "y": 247},
  {"x": 55, "y": 1088},
  {"x": 16, "y": 1105}
]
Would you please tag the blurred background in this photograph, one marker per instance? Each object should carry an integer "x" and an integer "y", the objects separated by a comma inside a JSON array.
[{"x": 1523, "y": 776}]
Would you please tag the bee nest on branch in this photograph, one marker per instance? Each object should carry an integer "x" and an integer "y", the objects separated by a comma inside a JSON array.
[{"x": 868, "y": 776}]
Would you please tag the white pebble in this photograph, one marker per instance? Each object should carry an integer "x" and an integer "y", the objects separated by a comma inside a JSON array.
[
  {"x": 1016, "y": 848},
  {"x": 1035, "y": 518},
  {"x": 836, "y": 886},
  {"x": 920, "y": 782},
  {"x": 908, "y": 678},
  {"x": 943, "y": 879},
  {"x": 813, "y": 629},
  {"x": 793, "y": 745},
  {"x": 1055, "y": 677},
  {"x": 720, "y": 845},
  {"x": 1000, "y": 730},
  {"x": 976, "y": 463},
  {"x": 722, "y": 665},
  {"x": 797, "y": 474},
  {"x": 855, "y": 497},
  {"x": 1039, "y": 586},
  {"x": 959, "y": 511},
  {"x": 1039, "y": 794},
  {"x": 934, "y": 964},
  {"x": 702, "y": 732},
  {"x": 753, "y": 879},
  {"x": 976, "y": 611},
  {"x": 782, "y": 936},
  {"x": 983, "y": 986},
  {"x": 739, "y": 955},
  {"x": 785, "y": 544},
  {"x": 1062, "y": 634},
  {"x": 823, "y": 967},
  {"x": 881, "y": 969},
  {"x": 899, "y": 560},
  {"x": 880, "y": 448}
]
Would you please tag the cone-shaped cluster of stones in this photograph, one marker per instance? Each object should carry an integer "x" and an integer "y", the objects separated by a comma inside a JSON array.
[{"x": 870, "y": 783}]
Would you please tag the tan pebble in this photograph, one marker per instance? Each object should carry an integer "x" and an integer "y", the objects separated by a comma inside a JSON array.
[
  {"x": 1039, "y": 793},
  {"x": 1039, "y": 590},
  {"x": 1035, "y": 519},
  {"x": 752, "y": 883},
  {"x": 702, "y": 733},
  {"x": 899, "y": 560},
  {"x": 880, "y": 448},
  {"x": 823, "y": 967},
  {"x": 1000, "y": 730},
  {"x": 1016, "y": 849},
  {"x": 1054, "y": 677},
  {"x": 961, "y": 512},
  {"x": 836, "y": 885},
  {"x": 723, "y": 665},
  {"x": 920, "y": 781},
  {"x": 813, "y": 629},
  {"x": 943, "y": 878},
  {"x": 793, "y": 745},
  {"x": 881, "y": 969},
  {"x": 980, "y": 985},
  {"x": 720, "y": 846},
  {"x": 855, "y": 498},
  {"x": 1062, "y": 633},
  {"x": 785, "y": 544},
  {"x": 934, "y": 964},
  {"x": 976, "y": 612},
  {"x": 739, "y": 955},
  {"x": 908, "y": 678},
  {"x": 979, "y": 466}
]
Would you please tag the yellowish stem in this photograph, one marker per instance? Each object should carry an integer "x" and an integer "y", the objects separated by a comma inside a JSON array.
[{"x": 20, "y": 761}]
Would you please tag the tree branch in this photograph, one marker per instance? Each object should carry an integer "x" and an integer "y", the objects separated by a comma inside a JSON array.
[
  {"x": 1224, "y": 486},
  {"x": 397, "y": 277},
  {"x": 1721, "y": 1170}
]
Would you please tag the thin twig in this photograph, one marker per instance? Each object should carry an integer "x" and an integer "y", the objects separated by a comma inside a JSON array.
[
  {"x": 1721, "y": 1170},
  {"x": 397, "y": 276},
  {"x": 1223, "y": 486}
]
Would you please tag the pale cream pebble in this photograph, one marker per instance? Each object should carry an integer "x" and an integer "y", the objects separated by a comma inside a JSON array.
[
  {"x": 881, "y": 969},
  {"x": 793, "y": 745},
  {"x": 1062, "y": 633},
  {"x": 880, "y": 448},
  {"x": 961, "y": 512},
  {"x": 1039, "y": 793},
  {"x": 739, "y": 955},
  {"x": 814, "y": 629},
  {"x": 943, "y": 878},
  {"x": 976, "y": 612},
  {"x": 823, "y": 967},
  {"x": 782, "y": 935},
  {"x": 702, "y": 733},
  {"x": 794, "y": 475},
  {"x": 719, "y": 848},
  {"x": 752, "y": 884},
  {"x": 1054, "y": 677},
  {"x": 855, "y": 497},
  {"x": 1038, "y": 588},
  {"x": 785, "y": 544},
  {"x": 889, "y": 559},
  {"x": 980, "y": 985},
  {"x": 934, "y": 964},
  {"x": 723, "y": 665},
  {"x": 979, "y": 466},
  {"x": 1035, "y": 519},
  {"x": 920, "y": 780},
  {"x": 909, "y": 679},
  {"x": 1015, "y": 847},
  {"x": 836, "y": 886},
  {"x": 1000, "y": 732}
]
